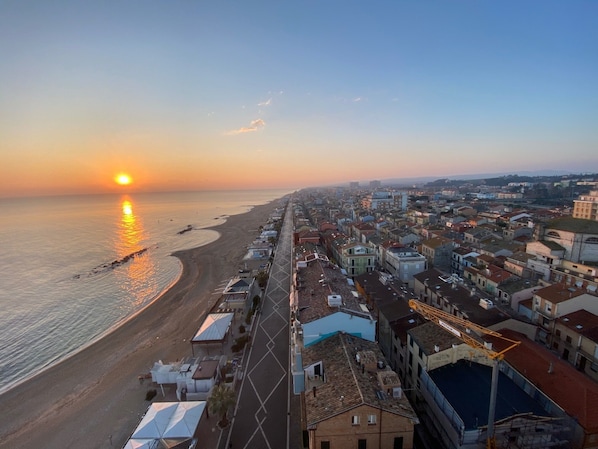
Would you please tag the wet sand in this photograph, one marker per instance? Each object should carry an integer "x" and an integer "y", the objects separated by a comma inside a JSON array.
[{"x": 94, "y": 399}]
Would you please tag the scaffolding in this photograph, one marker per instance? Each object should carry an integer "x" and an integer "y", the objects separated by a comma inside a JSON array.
[{"x": 528, "y": 431}]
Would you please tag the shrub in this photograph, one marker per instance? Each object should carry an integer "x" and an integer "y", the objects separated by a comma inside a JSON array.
[
  {"x": 240, "y": 343},
  {"x": 151, "y": 394}
]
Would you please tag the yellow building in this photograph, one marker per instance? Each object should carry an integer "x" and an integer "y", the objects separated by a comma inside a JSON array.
[{"x": 586, "y": 206}]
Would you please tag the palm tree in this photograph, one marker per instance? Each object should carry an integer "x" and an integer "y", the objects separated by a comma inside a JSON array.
[{"x": 221, "y": 399}]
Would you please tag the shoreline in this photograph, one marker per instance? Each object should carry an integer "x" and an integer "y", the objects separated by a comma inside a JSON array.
[
  {"x": 93, "y": 398},
  {"x": 122, "y": 322}
]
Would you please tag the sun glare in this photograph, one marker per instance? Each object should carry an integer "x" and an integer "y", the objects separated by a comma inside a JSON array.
[{"x": 123, "y": 179}]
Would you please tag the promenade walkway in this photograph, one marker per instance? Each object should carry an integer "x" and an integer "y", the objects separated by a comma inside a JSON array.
[{"x": 266, "y": 415}]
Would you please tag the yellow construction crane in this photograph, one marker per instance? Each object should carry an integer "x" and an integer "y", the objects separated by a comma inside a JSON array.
[{"x": 470, "y": 333}]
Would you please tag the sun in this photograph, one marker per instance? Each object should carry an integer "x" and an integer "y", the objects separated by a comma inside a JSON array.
[{"x": 123, "y": 179}]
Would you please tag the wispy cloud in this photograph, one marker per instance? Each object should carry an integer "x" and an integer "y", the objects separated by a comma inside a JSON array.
[
  {"x": 254, "y": 126},
  {"x": 268, "y": 102},
  {"x": 356, "y": 99}
]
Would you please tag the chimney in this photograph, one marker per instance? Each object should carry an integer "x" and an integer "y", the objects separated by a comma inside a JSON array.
[
  {"x": 314, "y": 391},
  {"x": 550, "y": 368}
]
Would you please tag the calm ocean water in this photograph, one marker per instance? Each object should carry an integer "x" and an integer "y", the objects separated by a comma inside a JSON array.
[{"x": 72, "y": 268}]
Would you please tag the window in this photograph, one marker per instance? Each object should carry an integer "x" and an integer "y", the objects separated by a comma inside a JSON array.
[
  {"x": 397, "y": 443},
  {"x": 568, "y": 339},
  {"x": 362, "y": 444},
  {"x": 371, "y": 419},
  {"x": 325, "y": 445},
  {"x": 355, "y": 420}
]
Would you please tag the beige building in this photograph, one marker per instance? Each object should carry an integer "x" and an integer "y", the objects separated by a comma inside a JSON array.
[
  {"x": 586, "y": 206},
  {"x": 352, "y": 399},
  {"x": 576, "y": 340},
  {"x": 579, "y": 238},
  {"x": 555, "y": 301}
]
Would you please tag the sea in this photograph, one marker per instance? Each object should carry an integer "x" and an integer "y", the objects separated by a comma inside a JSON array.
[{"x": 72, "y": 268}]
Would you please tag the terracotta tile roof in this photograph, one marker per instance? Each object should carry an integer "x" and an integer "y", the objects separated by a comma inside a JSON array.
[
  {"x": 558, "y": 293},
  {"x": 581, "y": 321},
  {"x": 347, "y": 384},
  {"x": 570, "y": 389},
  {"x": 499, "y": 276}
]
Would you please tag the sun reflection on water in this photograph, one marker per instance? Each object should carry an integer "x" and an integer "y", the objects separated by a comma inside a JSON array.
[{"x": 138, "y": 277}]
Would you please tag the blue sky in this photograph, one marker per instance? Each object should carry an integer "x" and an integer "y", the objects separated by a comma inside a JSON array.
[{"x": 189, "y": 94}]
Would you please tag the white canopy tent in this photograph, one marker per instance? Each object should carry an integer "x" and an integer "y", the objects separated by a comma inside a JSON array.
[
  {"x": 138, "y": 443},
  {"x": 156, "y": 420},
  {"x": 166, "y": 421},
  {"x": 185, "y": 419}
]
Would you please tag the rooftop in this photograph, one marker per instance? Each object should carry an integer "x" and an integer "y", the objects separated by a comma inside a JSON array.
[
  {"x": 580, "y": 397},
  {"x": 556, "y": 293},
  {"x": 430, "y": 336},
  {"x": 466, "y": 386},
  {"x": 318, "y": 280},
  {"x": 461, "y": 299},
  {"x": 206, "y": 370},
  {"x": 582, "y": 322},
  {"x": 571, "y": 224},
  {"x": 348, "y": 383}
]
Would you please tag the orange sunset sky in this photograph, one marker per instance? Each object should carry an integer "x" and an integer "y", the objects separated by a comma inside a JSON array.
[{"x": 204, "y": 95}]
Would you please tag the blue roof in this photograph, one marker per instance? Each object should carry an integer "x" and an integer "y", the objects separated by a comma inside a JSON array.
[{"x": 466, "y": 385}]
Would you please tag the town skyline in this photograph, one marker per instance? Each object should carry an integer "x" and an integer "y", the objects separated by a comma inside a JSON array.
[{"x": 185, "y": 96}]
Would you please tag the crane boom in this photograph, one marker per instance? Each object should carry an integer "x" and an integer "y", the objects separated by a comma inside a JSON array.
[{"x": 462, "y": 329}]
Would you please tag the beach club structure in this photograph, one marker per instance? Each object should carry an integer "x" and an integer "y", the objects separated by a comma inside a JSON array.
[
  {"x": 167, "y": 425},
  {"x": 213, "y": 332},
  {"x": 194, "y": 378}
]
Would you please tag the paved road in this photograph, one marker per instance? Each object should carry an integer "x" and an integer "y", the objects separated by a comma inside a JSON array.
[{"x": 262, "y": 417}]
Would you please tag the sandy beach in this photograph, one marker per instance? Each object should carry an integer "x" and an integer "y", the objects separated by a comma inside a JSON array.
[{"x": 94, "y": 399}]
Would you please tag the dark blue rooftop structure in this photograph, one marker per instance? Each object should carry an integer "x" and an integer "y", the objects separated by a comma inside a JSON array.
[{"x": 466, "y": 386}]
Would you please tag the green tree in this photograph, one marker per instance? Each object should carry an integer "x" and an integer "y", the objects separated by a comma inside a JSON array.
[{"x": 221, "y": 399}]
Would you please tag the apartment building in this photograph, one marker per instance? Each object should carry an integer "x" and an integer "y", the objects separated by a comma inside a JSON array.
[
  {"x": 586, "y": 206},
  {"x": 352, "y": 398}
]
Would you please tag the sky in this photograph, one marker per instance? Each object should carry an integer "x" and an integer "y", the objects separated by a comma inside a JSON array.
[{"x": 189, "y": 94}]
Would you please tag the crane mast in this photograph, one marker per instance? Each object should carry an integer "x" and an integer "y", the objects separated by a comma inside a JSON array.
[{"x": 465, "y": 330}]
